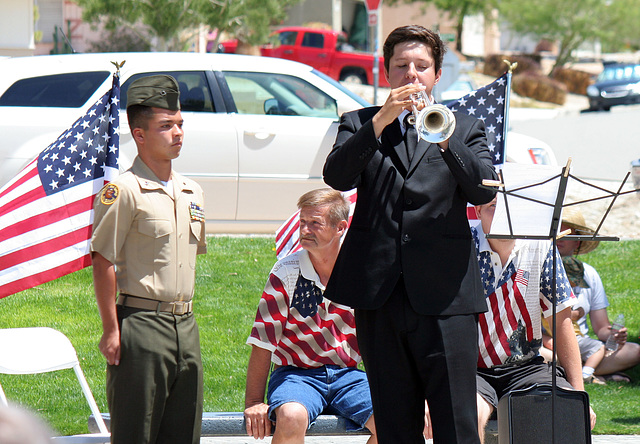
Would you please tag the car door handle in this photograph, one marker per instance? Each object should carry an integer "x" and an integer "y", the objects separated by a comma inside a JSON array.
[
  {"x": 260, "y": 134},
  {"x": 288, "y": 51}
]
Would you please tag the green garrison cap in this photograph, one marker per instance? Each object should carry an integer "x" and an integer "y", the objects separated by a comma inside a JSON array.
[{"x": 159, "y": 91}]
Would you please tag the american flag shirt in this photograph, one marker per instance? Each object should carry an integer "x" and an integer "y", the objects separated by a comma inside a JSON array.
[
  {"x": 297, "y": 325},
  {"x": 517, "y": 294}
]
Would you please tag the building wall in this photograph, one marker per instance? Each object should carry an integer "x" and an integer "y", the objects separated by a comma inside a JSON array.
[
  {"x": 16, "y": 23},
  {"x": 67, "y": 16}
]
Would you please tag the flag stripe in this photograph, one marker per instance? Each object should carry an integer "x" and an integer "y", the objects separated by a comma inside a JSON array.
[
  {"x": 43, "y": 263},
  {"x": 286, "y": 226},
  {"x": 29, "y": 281},
  {"x": 288, "y": 239},
  {"x": 15, "y": 237},
  {"x": 27, "y": 254},
  {"x": 28, "y": 195},
  {"x": 47, "y": 218},
  {"x": 27, "y": 173}
]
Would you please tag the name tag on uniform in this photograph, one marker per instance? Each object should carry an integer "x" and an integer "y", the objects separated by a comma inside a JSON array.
[{"x": 196, "y": 212}]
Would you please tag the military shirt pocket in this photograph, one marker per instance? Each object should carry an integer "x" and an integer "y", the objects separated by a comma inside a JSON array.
[
  {"x": 196, "y": 229},
  {"x": 153, "y": 241}
]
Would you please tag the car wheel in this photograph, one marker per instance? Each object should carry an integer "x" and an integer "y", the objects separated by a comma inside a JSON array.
[{"x": 354, "y": 77}]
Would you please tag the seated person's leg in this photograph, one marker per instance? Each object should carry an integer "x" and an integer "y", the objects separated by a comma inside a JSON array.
[
  {"x": 484, "y": 413},
  {"x": 295, "y": 400},
  {"x": 371, "y": 426},
  {"x": 487, "y": 401},
  {"x": 591, "y": 353},
  {"x": 624, "y": 358},
  {"x": 292, "y": 421},
  {"x": 349, "y": 397}
]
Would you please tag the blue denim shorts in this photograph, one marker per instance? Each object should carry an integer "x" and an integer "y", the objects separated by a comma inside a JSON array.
[{"x": 329, "y": 389}]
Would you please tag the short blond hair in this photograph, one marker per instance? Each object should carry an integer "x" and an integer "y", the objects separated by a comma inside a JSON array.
[{"x": 322, "y": 197}]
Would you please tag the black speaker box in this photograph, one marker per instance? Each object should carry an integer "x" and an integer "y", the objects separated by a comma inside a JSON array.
[{"x": 524, "y": 417}]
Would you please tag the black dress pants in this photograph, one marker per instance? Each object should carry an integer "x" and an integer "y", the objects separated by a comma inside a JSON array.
[{"x": 411, "y": 357}]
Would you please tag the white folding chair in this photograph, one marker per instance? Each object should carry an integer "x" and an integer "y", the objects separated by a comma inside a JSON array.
[{"x": 39, "y": 350}]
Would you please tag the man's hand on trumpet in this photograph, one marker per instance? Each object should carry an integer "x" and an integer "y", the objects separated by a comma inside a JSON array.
[{"x": 399, "y": 99}]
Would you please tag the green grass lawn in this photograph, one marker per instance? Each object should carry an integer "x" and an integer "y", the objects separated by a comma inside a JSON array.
[{"x": 230, "y": 279}]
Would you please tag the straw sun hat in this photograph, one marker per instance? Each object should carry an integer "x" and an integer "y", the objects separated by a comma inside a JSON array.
[{"x": 572, "y": 217}]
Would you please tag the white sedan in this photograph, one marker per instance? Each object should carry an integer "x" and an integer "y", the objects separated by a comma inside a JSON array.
[{"x": 257, "y": 129}]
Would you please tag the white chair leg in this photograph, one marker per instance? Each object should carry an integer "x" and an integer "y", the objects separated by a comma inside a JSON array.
[
  {"x": 92, "y": 402},
  {"x": 3, "y": 398}
]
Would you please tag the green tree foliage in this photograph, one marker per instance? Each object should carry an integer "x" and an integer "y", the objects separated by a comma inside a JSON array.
[
  {"x": 159, "y": 22},
  {"x": 249, "y": 21},
  {"x": 166, "y": 24},
  {"x": 574, "y": 22}
]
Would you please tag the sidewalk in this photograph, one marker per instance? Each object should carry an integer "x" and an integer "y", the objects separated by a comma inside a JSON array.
[{"x": 596, "y": 439}]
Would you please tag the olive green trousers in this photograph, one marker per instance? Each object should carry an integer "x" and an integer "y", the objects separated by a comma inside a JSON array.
[{"x": 155, "y": 393}]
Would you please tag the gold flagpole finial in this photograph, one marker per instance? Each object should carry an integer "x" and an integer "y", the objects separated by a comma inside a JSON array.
[
  {"x": 118, "y": 66},
  {"x": 512, "y": 66}
]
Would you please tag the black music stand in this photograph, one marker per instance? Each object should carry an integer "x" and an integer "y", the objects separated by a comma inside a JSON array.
[{"x": 553, "y": 234}]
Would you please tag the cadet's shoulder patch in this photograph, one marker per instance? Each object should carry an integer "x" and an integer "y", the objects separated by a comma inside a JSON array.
[{"x": 109, "y": 194}]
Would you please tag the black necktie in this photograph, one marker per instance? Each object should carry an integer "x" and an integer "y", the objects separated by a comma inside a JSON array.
[{"x": 410, "y": 137}]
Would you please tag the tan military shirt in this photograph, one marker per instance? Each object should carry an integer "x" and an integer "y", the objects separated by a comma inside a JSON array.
[{"x": 151, "y": 236}]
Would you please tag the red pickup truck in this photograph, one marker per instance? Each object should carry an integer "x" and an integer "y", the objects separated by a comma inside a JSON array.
[{"x": 325, "y": 50}]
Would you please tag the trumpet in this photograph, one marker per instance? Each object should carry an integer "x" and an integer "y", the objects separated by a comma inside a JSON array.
[{"x": 434, "y": 122}]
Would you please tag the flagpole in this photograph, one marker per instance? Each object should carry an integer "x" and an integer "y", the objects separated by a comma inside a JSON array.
[{"x": 505, "y": 128}]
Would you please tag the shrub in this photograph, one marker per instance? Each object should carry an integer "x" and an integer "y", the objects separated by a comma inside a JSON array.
[
  {"x": 494, "y": 64},
  {"x": 119, "y": 40},
  {"x": 539, "y": 87},
  {"x": 575, "y": 81}
]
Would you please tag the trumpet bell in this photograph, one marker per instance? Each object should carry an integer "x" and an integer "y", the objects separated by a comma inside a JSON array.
[{"x": 435, "y": 123}]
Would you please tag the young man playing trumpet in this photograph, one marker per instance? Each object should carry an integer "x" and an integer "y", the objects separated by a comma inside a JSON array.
[{"x": 408, "y": 262}]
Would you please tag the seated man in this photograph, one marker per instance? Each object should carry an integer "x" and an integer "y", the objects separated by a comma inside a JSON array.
[
  {"x": 516, "y": 275},
  {"x": 588, "y": 287},
  {"x": 310, "y": 339}
]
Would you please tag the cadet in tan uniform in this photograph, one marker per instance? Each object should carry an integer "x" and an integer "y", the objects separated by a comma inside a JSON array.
[{"x": 148, "y": 229}]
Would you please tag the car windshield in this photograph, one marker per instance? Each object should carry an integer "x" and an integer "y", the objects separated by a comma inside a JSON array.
[
  {"x": 627, "y": 72},
  {"x": 70, "y": 90},
  {"x": 278, "y": 94},
  {"x": 338, "y": 85}
]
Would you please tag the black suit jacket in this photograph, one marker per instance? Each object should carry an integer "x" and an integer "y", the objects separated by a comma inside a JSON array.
[{"x": 410, "y": 217}]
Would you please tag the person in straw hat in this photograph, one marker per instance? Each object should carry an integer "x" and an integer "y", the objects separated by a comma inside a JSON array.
[{"x": 592, "y": 299}]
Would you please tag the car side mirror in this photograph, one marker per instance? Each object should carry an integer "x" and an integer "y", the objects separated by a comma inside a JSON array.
[{"x": 272, "y": 106}]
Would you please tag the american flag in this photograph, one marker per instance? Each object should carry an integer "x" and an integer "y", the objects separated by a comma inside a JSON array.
[
  {"x": 46, "y": 211},
  {"x": 489, "y": 104},
  {"x": 510, "y": 329}
]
